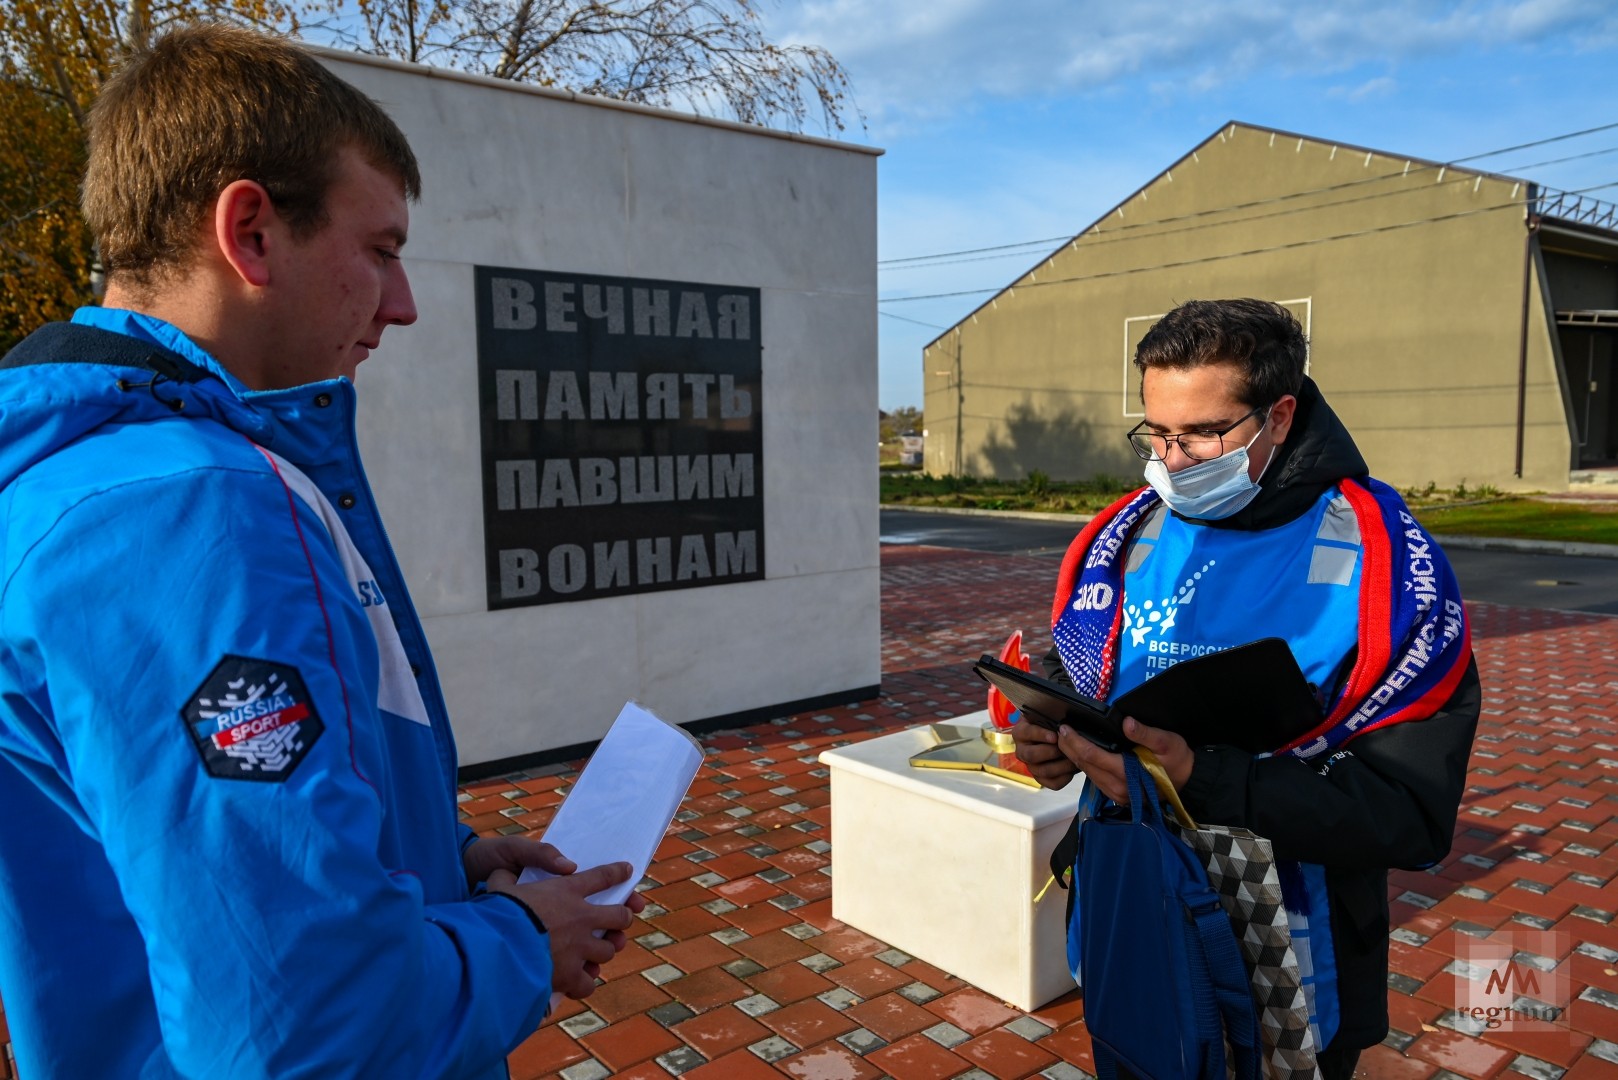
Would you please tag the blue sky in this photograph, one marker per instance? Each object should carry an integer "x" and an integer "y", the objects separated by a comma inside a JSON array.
[{"x": 1008, "y": 122}]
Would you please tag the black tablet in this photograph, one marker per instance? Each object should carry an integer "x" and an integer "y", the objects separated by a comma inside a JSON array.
[
  {"x": 1051, "y": 705},
  {"x": 1252, "y": 696}
]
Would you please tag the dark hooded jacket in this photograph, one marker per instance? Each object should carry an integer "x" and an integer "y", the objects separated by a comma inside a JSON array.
[{"x": 1389, "y": 799}]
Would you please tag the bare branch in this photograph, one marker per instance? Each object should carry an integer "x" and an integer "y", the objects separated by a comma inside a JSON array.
[{"x": 709, "y": 56}]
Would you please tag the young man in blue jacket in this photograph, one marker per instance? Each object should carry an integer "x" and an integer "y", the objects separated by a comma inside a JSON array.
[
  {"x": 1259, "y": 520},
  {"x": 226, "y": 773}
]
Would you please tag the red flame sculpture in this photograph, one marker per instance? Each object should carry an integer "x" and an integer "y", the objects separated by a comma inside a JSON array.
[{"x": 1000, "y": 709}]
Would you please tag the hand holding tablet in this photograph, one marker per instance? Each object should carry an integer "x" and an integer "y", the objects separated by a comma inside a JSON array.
[{"x": 1252, "y": 696}]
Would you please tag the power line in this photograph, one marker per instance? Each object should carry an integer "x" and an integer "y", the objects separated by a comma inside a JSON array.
[
  {"x": 1279, "y": 198},
  {"x": 1293, "y": 195},
  {"x": 1536, "y": 142},
  {"x": 1112, "y": 237},
  {"x": 1570, "y": 157},
  {"x": 918, "y": 322},
  {"x": 1046, "y": 391},
  {"x": 973, "y": 251},
  {"x": 1235, "y": 254}
]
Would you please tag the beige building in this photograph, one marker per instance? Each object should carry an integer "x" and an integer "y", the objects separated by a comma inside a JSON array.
[{"x": 1461, "y": 323}]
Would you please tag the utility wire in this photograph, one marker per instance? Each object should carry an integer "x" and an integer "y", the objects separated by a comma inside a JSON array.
[
  {"x": 1280, "y": 198},
  {"x": 1046, "y": 391},
  {"x": 974, "y": 251},
  {"x": 1112, "y": 236},
  {"x": 1235, "y": 254},
  {"x": 918, "y": 322},
  {"x": 1536, "y": 142}
]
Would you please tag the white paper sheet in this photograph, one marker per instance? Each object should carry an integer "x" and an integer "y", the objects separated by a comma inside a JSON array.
[{"x": 624, "y": 800}]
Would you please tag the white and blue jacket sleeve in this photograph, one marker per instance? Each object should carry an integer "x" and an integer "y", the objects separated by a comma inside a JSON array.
[{"x": 244, "y": 778}]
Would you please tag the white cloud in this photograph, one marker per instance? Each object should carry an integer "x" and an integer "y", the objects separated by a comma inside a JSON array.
[
  {"x": 913, "y": 60},
  {"x": 1379, "y": 87},
  {"x": 1002, "y": 97}
]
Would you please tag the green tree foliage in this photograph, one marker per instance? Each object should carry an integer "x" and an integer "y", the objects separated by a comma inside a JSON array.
[{"x": 904, "y": 418}]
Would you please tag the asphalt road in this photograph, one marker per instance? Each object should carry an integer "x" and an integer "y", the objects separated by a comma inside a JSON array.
[{"x": 1563, "y": 582}]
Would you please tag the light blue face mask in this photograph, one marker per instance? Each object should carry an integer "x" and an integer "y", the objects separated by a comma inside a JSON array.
[{"x": 1209, "y": 490}]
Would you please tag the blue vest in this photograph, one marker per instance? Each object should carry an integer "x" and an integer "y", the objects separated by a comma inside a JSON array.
[{"x": 1191, "y": 589}]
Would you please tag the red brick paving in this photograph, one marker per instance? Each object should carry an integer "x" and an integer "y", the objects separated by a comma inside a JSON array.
[
  {"x": 740, "y": 1065},
  {"x": 625, "y": 996},
  {"x": 829, "y": 1060},
  {"x": 791, "y": 982},
  {"x": 550, "y": 1050},
  {"x": 808, "y": 1023},
  {"x": 716, "y": 1033},
  {"x": 973, "y": 1011},
  {"x": 918, "y": 1058},
  {"x": 1536, "y": 847},
  {"x": 629, "y": 1043},
  {"x": 1006, "y": 1056},
  {"x": 867, "y": 978},
  {"x": 892, "y": 1016}
]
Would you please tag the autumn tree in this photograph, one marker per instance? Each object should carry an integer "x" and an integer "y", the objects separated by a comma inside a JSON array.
[
  {"x": 896, "y": 423},
  {"x": 54, "y": 57},
  {"x": 708, "y": 56},
  {"x": 44, "y": 246}
]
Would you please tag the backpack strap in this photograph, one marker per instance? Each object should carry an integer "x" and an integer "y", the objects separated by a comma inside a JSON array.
[
  {"x": 1226, "y": 974},
  {"x": 1232, "y": 993},
  {"x": 1144, "y": 804}
]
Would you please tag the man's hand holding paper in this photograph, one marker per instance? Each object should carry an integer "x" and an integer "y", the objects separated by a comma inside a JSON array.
[
  {"x": 487, "y": 854},
  {"x": 616, "y": 814},
  {"x": 573, "y": 921}
]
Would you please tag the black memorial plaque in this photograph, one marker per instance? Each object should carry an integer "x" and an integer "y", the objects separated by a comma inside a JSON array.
[{"x": 622, "y": 443}]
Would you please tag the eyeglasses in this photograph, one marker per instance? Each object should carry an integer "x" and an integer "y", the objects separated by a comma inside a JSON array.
[{"x": 1196, "y": 445}]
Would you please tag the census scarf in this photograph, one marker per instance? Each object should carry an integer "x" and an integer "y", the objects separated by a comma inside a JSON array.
[{"x": 1414, "y": 636}]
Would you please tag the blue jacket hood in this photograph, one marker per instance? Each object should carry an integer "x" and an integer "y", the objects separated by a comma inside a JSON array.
[{"x": 128, "y": 380}]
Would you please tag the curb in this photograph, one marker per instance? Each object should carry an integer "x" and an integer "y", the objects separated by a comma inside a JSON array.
[
  {"x": 1466, "y": 543},
  {"x": 1528, "y": 547},
  {"x": 966, "y": 511}
]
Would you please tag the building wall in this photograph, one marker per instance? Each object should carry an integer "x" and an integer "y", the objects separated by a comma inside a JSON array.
[
  {"x": 1411, "y": 279},
  {"x": 534, "y": 180}
]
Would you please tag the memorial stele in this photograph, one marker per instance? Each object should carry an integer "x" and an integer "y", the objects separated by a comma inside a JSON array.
[{"x": 627, "y": 451}]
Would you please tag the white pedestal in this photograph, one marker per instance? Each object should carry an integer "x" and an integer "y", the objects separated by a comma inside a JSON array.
[{"x": 945, "y": 864}]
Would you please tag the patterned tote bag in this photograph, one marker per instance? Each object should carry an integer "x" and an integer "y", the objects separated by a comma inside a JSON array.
[{"x": 1241, "y": 866}]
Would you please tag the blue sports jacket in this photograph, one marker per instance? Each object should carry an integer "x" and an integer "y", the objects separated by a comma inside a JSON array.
[{"x": 227, "y": 780}]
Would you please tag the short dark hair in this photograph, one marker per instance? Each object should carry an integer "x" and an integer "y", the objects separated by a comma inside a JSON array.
[
  {"x": 1261, "y": 338},
  {"x": 209, "y": 104}
]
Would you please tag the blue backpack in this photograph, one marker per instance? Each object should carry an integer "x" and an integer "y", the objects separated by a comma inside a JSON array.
[{"x": 1165, "y": 987}]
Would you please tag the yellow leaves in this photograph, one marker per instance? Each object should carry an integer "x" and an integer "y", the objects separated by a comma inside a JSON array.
[
  {"x": 54, "y": 57},
  {"x": 706, "y": 55},
  {"x": 44, "y": 246}
]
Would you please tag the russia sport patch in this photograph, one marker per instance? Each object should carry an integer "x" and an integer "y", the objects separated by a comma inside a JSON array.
[{"x": 252, "y": 720}]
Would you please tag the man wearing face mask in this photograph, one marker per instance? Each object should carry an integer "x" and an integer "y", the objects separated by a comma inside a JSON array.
[{"x": 1260, "y": 521}]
